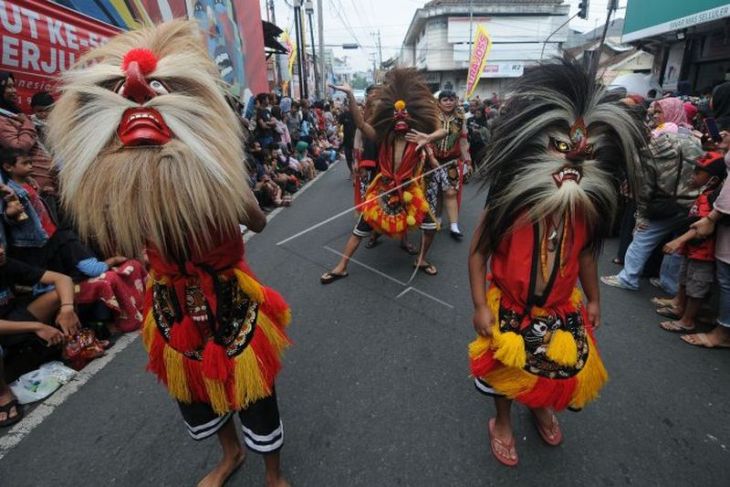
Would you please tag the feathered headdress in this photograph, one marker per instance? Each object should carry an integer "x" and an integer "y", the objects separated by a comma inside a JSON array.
[
  {"x": 561, "y": 144},
  {"x": 403, "y": 87}
]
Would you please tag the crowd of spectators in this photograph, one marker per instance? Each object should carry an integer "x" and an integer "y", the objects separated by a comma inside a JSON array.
[
  {"x": 289, "y": 143},
  {"x": 677, "y": 227},
  {"x": 53, "y": 288}
]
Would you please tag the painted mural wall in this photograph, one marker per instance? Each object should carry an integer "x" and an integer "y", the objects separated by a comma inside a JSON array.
[{"x": 40, "y": 38}]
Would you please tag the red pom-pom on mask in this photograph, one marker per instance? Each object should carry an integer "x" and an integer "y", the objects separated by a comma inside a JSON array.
[{"x": 146, "y": 60}]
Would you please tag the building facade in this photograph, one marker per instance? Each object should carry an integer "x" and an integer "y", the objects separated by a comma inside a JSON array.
[
  {"x": 523, "y": 32},
  {"x": 689, "y": 40}
]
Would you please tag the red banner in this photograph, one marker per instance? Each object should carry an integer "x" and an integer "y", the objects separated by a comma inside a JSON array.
[{"x": 39, "y": 39}]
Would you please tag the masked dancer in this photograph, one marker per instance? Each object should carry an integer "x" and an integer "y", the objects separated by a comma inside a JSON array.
[
  {"x": 560, "y": 148},
  {"x": 153, "y": 160}
]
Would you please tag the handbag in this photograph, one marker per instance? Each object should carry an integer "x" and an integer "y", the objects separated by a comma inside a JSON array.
[{"x": 663, "y": 207}]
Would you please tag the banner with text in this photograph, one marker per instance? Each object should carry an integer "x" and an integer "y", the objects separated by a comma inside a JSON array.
[
  {"x": 39, "y": 39},
  {"x": 479, "y": 54}
]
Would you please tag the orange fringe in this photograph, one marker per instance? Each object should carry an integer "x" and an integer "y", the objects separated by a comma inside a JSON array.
[
  {"x": 486, "y": 359},
  {"x": 252, "y": 372},
  {"x": 416, "y": 208}
]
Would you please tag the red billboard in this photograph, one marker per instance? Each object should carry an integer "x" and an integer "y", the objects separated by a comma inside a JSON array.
[{"x": 39, "y": 39}]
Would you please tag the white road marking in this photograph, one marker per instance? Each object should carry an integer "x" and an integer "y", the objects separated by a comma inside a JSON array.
[
  {"x": 40, "y": 413},
  {"x": 400, "y": 283}
]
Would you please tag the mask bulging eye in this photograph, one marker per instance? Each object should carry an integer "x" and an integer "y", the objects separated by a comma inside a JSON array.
[
  {"x": 158, "y": 87},
  {"x": 560, "y": 146}
]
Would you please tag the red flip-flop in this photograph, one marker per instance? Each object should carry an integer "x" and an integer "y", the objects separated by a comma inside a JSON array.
[
  {"x": 552, "y": 435},
  {"x": 498, "y": 447}
]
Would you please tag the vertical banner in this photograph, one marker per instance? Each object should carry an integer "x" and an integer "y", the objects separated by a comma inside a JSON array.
[
  {"x": 479, "y": 55},
  {"x": 291, "y": 47},
  {"x": 40, "y": 39}
]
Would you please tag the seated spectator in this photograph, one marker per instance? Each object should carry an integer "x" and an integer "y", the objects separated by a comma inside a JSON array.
[
  {"x": 10, "y": 410},
  {"x": 50, "y": 317},
  {"x": 37, "y": 239},
  {"x": 17, "y": 132}
]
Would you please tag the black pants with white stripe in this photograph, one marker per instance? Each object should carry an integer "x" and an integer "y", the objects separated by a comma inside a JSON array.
[{"x": 262, "y": 428}]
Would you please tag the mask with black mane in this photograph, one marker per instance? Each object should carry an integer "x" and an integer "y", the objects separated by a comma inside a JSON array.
[
  {"x": 403, "y": 102},
  {"x": 560, "y": 146}
]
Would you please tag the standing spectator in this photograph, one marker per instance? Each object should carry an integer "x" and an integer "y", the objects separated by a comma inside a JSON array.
[
  {"x": 698, "y": 265},
  {"x": 282, "y": 131},
  {"x": 664, "y": 198},
  {"x": 264, "y": 124},
  {"x": 41, "y": 104},
  {"x": 718, "y": 222},
  {"x": 292, "y": 120},
  {"x": 17, "y": 132}
]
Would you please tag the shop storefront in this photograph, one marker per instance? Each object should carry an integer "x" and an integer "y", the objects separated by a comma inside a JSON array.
[{"x": 690, "y": 40}]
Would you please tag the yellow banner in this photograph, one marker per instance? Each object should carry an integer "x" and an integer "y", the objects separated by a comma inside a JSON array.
[
  {"x": 292, "y": 48},
  {"x": 479, "y": 54}
]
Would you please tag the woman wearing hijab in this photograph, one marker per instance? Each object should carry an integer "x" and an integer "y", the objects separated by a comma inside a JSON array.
[{"x": 18, "y": 132}]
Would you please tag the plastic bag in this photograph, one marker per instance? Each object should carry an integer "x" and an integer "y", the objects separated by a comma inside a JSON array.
[{"x": 41, "y": 383}]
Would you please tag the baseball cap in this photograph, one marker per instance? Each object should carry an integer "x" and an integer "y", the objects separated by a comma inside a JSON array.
[{"x": 713, "y": 163}]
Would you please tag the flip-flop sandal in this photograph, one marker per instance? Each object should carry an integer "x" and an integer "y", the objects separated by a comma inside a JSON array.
[
  {"x": 704, "y": 342},
  {"x": 499, "y": 447},
  {"x": 662, "y": 301},
  {"x": 330, "y": 277},
  {"x": 410, "y": 249},
  {"x": 675, "y": 326},
  {"x": 668, "y": 312},
  {"x": 551, "y": 435},
  {"x": 373, "y": 242},
  {"x": 428, "y": 269},
  {"x": 9, "y": 421}
]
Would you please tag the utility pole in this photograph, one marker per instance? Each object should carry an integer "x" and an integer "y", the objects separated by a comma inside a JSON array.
[
  {"x": 300, "y": 63},
  {"x": 323, "y": 65},
  {"x": 277, "y": 70},
  {"x": 380, "y": 50},
  {"x": 612, "y": 5},
  {"x": 302, "y": 41},
  {"x": 309, "y": 8}
]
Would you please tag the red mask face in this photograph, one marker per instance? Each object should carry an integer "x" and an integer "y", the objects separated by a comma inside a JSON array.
[
  {"x": 141, "y": 126},
  {"x": 401, "y": 121}
]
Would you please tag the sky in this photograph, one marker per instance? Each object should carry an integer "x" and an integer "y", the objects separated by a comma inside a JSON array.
[{"x": 358, "y": 21}]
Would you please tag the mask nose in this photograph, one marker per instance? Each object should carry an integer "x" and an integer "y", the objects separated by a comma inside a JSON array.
[
  {"x": 135, "y": 85},
  {"x": 578, "y": 155}
]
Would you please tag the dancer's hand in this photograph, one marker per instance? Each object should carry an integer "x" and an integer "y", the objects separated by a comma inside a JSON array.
[
  {"x": 593, "y": 313},
  {"x": 483, "y": 320},
  {"x": 419, "y": 138},
  {"x": 344, "y": 87}
]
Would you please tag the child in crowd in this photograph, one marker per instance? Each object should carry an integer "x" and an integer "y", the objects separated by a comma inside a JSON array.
[
  {"x": 37, "y": 240},
  {"x": 698, "y": 266}
]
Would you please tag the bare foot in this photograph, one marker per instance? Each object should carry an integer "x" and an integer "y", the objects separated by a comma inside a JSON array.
[
  {"x": 719, "y": 337},
  {"x": 548, "y": 426},
  {"x": 228, "y": 465}
]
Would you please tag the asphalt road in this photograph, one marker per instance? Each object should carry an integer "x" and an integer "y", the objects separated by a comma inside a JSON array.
[{"x": 376, "y": 389}]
